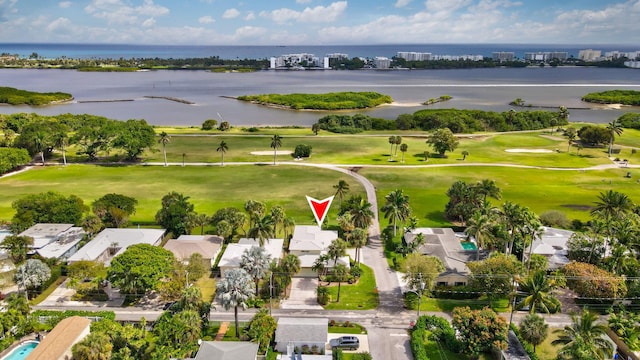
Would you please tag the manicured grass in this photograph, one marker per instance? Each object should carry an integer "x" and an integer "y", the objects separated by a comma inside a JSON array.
[
  {"x": 573, "y": 192},
  {"x": 353, "y": 328},
  {"x": 209, "y": 188},
  {"x": 447, "y": 305},
  {"x": 207, "y": 286},
  {"x": 360, "y": 296},
  {"x": 375, "y": 150}
]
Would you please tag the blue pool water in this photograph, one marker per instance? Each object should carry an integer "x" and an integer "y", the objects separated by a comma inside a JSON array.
[
  {"x": 468, "y": 245},
  {"x": 22, "y": 351}
]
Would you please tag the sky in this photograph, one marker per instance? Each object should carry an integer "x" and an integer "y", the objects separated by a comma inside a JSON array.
[{"x": 320, "y": 22}]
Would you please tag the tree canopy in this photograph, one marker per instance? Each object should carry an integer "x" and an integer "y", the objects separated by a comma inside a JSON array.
[
  {"x": 175, "y": 214},
  {"x": 140, "y": 268},
  {"x": 49, "y": 207}
]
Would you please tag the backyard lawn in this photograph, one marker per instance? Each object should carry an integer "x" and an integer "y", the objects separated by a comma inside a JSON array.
[{"x": 359, "y": 296}]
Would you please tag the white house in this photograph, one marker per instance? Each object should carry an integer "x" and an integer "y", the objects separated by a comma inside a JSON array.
[
  {"x": 308, "y": 243},
  {"x": 552, "y": 244},
  {"x": 233, "y": 253},
  {"x": 296, "y": 332},
  {"x": 110, "y": 243},
  {"x": 54, "y": 240}
]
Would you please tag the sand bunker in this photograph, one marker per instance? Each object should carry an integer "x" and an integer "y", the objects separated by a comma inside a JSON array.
[
  {"x": 279, "y": 152},
  {"x": 403, "y": 104},
  {"x": 537, "y": 151}
]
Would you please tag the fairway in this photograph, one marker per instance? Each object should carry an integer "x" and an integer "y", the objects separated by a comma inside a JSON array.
[
  {"x": 210, "y": 187},
  {"x": 573, "y": 192}
]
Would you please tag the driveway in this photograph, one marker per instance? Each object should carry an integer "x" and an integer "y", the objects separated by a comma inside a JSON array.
[
  {"x": 364, "y": 342},
  {"x": 303, "y": 295}
]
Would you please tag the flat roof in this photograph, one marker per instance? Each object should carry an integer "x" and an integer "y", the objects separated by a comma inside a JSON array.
[
  {"x": 187, "y": 245},
  {"x": 307, "y": 237},
  {"x": 122, "y": 237},
  {"x": 233, "y": 253}
]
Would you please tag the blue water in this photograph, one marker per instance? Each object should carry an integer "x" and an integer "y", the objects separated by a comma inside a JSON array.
[
  {"x": 468, "y": 245},
  {"x": 22, "y": 351},
  {"x": 117, "y": 51}
]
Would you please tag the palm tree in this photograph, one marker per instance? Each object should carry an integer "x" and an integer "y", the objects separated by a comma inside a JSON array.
[
  {"x": 290, "y": 265},
  {"x": 404, "y": 148},
  {"x": 534, "y": 330},
  {"x": 164, "y": 140},
  {"x": 358, "y": 240},
  {"x": 397, "y": 141},
  {"x": 234, "y": 290},
  {"x": 538, "y": 289},
  {"x": 278, "y": 215},
  {"x": 584, "y": 339},
  {"x": 222, "y": 148},
  {"x": 345, "y": 221},
  {"x": 288, "y": 224},
  {"x": 614, "y": 128},
  {"x": 255, "y": 261},
  {"x": 342, "y": 188},
  {"x": 396, "y": 208},
  {"x": 276, "y": 142},
  {"x": 336, "y": 250},
  {"x": 362, "y": 214},
  {"x": 262, "y": 229},
  {"x": 392, "y": 141},
  {"x": 479, "y": 226},
  {"x": 200, "y": 220},
  {"x": 611, "y": 205},
  {"x": 61, "y": 140},
  {"x": 488, "y": 188},
  {"x": 340, "y": 273},
  {"x": 39, "y": 144},
  {"x": 465, "y": 153},
  {"x": 571, "y": 136},
  {"x": 320, "y": 264}
]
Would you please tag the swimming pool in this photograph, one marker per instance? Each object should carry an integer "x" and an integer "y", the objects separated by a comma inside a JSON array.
[
  {"x": 22, "y": 351},
  {"x": 468, "y": 245}
]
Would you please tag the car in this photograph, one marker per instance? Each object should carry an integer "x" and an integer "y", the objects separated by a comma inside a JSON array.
[{"x": 345, "y": 342}]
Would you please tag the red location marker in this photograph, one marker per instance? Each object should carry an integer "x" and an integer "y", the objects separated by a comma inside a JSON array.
[{"x": 320, "y": 208}]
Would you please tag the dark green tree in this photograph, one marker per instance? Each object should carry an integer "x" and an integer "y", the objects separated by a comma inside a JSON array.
[
  {"x": 110, "y": 208},
  {"x": 175, "y": 213},
  {"x": 140, "y": 268},
  {"x": 443, "y": 140},
  {"x": 50, "y": 207}
]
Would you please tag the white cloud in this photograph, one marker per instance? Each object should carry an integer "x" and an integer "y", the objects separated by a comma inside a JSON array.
[
  {"x": 446, "y": 6},
  {"x": 117, "y": 12},
  {"x": 65, "y": 4},
  {"x": 402, "y": 3},
  {"x": 250, "y": 32},
  {"x": 250, "y": 16},
  {"x": 231, "y": 13},
  {"x": 309, "y": 15},
  {"x": 149, "y": 22},
  {"x": 206, "y": 20},
  {"x": 303, "y": 1}
]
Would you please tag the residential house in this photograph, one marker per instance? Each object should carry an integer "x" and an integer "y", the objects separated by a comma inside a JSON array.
[
  {"x": 233, "y": 253},
  {"x": 227, "y": 350},
  {"x": 186, "y": 245},
  {"x": 552, "y": 244},
  {"x": 58, "y": 343},
  {"x": 308, "y": 243},
  {"x": 110, "y": 243},
  {"x": 57, "y": 241},
  {"x": 295, "y": 332},
  {"x": 450, "y": 248}
]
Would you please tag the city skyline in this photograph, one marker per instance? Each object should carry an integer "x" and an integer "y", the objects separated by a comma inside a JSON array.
[{"x": 317, "y": 22}]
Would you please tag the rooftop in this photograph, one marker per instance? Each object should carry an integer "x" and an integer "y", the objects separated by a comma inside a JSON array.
[
  {"x": 186, "y": 245},
  {"x": 227, "y": 350},
  {"x": 43, "y": 234},
  {"x": 119, "y": 239},
  {"x": 302, "y": 329},
  {"x": 68, "y": 332},
  {"x": 310, "y": 238},
  {"x": 233, "y": 252}
]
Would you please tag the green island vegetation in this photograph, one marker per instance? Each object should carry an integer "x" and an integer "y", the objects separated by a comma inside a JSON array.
[
  {"x": 13, "y": 96},
  {"x": 107, "y": 69},
  {"x": 624, "y": 97},
  {"x": 457, "y": 120},
  {"x": 437, "y": 100},
  {"x": 329, "y": 101}
]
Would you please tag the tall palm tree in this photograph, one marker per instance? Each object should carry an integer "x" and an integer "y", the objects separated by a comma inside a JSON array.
[
  {"x": 290, "y": 265},
  {"x": 358, "y": 240},
  {"x": 255, "y": 261},
  {"x": 288, "y": 224},
  {"x": 222, "y": 149},
  {"x": 612, "y": 205},
  {"x": 234, "y": 290},
  {"x": 278, "y": 215},
  {"x": 571, "y": 136},
  {"x": 340, "y": 273},
  {"x": 479, "y": 226},
  {"x": 392, "y": 141},
  {"x": 396, "y": 208},
  {"x": 362, "y": 214},
  {"x": 345, "y": 221},
  {"x": 320, "y": 265},
  {"x": 61, "y": 140},
  {"x": 584, "y": 339},
  {"x": 342, "y": 188},
  {"x": 404, "y": 148},
  {"x": 538, "y": 289},
  {"x": 488, "y": 188},
  {"x": 397, "y": 141},
  {"x": 164, "y": 140},
  {"x": 336, "y": 250},
  {"x": 200, "y": 220},
  {"x": 276, "y": 142},
  {"x": 39, "y": 144},
  {"x": 534, "y": 330},
  {"x": 614, "y": 128},
  {"x": 262, "y": 229}
]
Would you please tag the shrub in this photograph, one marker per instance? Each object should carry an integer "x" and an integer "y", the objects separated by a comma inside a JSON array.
[
  {"x": 555, "y": 218},
  {"x": 302, "y": 151},
  {"x": 323, "y": 295},
  {"x": 209, "y": 124}
]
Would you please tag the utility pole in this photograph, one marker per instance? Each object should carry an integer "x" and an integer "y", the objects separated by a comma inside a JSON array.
[{"x": 270, "y": 292}]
